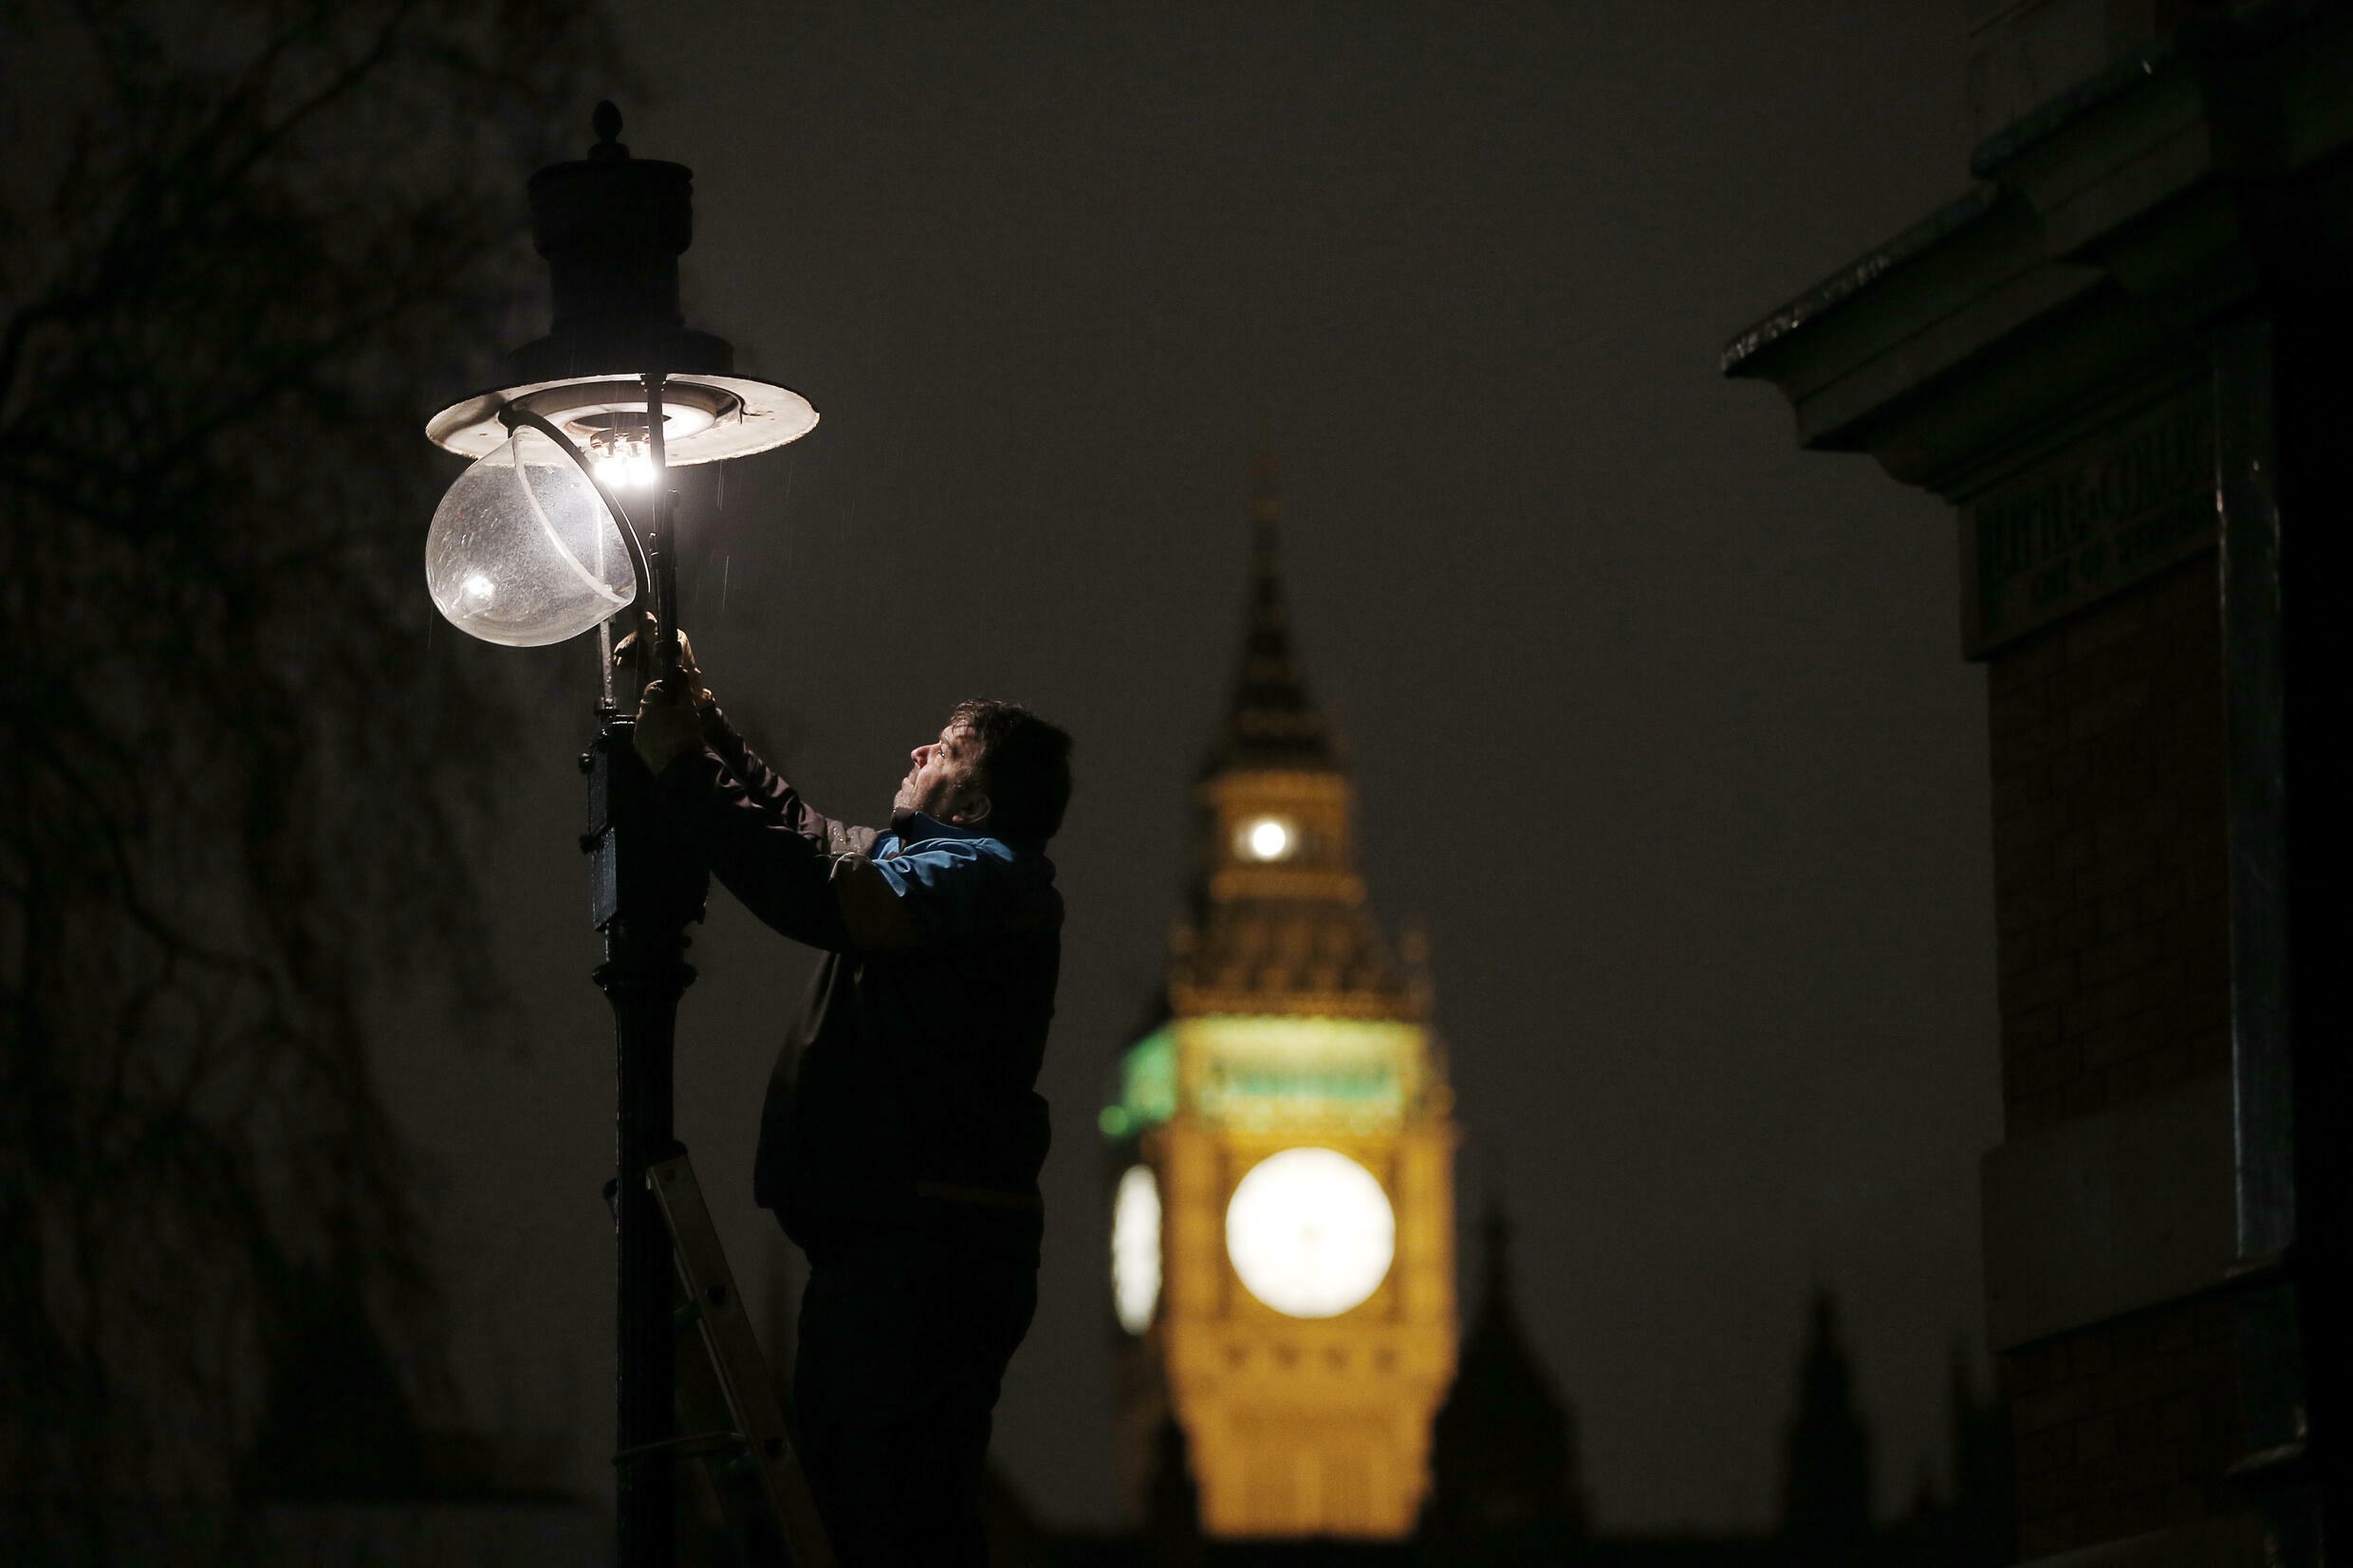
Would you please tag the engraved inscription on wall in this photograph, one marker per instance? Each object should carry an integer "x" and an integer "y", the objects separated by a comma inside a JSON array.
[{"x": 2100, "y": 516}]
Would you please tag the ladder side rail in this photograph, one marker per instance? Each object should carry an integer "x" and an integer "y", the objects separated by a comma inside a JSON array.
[
  {"x": 731, "y": 1481},
  {"x": 735, "y": 1354}
]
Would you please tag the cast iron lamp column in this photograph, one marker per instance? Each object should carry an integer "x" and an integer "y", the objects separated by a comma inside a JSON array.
[
  {"x": 534, "y": 545},
  {"x": 644, "y": 889}
]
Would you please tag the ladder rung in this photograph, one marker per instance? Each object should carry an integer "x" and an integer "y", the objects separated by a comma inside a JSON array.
[{"x": 691, "y": 1446}]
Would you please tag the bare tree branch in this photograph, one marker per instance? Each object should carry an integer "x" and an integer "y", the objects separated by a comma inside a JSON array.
[{"x": 242, "y": 279}]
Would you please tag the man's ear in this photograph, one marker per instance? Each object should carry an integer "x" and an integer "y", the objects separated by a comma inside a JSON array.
[{"x": 971, "y": 810}]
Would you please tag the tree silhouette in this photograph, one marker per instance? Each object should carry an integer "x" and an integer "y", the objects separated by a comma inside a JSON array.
[{"x": 244, "y": 248}]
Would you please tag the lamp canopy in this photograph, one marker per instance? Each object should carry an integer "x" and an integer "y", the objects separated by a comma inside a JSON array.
[{"x": 611, "y": 227}]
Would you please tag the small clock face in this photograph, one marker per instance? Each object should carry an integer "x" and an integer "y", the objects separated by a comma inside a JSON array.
[
  {"x": 1310, "y": 1232},
  {"x": 1268, "y": 838},
  {"x": 1136, "y": 1248}
]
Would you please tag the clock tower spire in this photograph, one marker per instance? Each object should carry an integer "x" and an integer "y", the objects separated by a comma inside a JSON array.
[
  {"x": 1282, "y": 1248},
  {"x": 1272, "y": 721}
]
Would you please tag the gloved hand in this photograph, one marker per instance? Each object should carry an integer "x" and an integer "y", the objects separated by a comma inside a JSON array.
[
  {"x": 640, "y": 649},
  {"x": 668, "y": 725},
  {"x": 671, "y": 708}
]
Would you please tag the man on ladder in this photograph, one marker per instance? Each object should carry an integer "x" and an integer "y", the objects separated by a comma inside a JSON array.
[{"x": 902, "y": 1132}]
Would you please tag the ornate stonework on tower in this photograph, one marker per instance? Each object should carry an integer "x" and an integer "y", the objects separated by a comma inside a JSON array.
[{"x": 1282, "y": 1142}]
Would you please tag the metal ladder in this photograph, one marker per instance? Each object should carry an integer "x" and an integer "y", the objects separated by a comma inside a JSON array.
[{"x": 729, "y": 1382}]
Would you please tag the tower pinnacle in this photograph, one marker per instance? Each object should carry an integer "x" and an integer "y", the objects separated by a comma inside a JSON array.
[
  {"x": 1271, "y": 722},
  {"x": 1503, "y": 1456}
]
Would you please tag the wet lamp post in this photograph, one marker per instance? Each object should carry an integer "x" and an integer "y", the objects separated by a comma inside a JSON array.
[{"x": 564, "y": 521}]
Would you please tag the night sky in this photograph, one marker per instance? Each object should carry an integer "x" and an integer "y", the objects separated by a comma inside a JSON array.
[{"x": 1659, "y": 724}]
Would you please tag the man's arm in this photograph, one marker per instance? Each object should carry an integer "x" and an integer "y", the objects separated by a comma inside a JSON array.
[
  {"x": 843, "y": 900},
  {"x": 772, "y": 853},
  {"x": 677, "y": 714},
  {"x": 769, "y": 791},
  {"x": 803, "y": 874}
]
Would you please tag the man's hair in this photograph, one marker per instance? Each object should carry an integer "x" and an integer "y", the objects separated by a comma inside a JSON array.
[{"x": 1021, "y": 762}]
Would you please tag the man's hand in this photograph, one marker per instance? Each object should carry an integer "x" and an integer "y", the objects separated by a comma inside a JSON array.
[
  {"x": 668, "y": 725},
  {"x": 641, "y": 648},
  {"x": 670, "y": 708}
]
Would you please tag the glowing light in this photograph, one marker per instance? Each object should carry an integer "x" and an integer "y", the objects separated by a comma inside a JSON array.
[
  {"x": 1310, "y": 1232},
  {"x": 478, "y": 589},
  {"x": 1147, "y": 1087},
  {"x": 629, "y": 470},
  {"x": 1268, "y": 838},
  {"x": 1136, "y": 1248},
  {"x": 622, "y": 463}
]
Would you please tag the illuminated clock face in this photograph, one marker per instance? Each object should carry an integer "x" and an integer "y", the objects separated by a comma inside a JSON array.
[
  {"x": 1310, "y": 1232},
  {"x": 1136, "y": 1249},
  {"x": 1268, "y": 838}
]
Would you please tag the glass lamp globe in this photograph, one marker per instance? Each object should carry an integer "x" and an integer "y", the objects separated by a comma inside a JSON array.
[{"x": 523, "y": 550}]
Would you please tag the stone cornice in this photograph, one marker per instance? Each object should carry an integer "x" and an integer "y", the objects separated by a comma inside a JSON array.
[
  {"x": 1856, "y": 276},
  {"x": 2169, "y": 190}
]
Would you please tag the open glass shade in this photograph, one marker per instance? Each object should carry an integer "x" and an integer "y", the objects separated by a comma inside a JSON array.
[{"x": 523, "y": 550}]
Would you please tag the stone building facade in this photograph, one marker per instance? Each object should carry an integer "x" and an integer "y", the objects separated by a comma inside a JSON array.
[{"x": 2119, "y": 355}]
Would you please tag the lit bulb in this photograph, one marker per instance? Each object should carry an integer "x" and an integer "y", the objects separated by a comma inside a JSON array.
[
  {"x": 1269, "y": 839},
  {"x": 625, "y": 469}
]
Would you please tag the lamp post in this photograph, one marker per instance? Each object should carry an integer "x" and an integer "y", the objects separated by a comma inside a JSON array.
[{"x": 536, "y": 543}]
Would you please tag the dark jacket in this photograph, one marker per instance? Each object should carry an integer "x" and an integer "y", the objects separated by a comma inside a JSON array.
[{"x": 909, "y": 1078}]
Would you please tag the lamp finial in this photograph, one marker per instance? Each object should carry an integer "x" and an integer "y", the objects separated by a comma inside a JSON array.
[{"x": 606, "y": 122}]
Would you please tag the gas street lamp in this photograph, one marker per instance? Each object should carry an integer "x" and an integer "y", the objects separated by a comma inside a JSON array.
[{"x": 563, "y": 521}]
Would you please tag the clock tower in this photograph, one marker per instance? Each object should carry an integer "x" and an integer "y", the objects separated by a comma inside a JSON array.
[{"x": 1282, "y": 1147}]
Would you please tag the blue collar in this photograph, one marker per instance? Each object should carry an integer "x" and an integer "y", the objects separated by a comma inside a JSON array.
[{"x": 915, "y": 827}]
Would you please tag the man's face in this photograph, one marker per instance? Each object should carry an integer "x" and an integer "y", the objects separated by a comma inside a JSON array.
[{"x": 937, "y": 778}]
